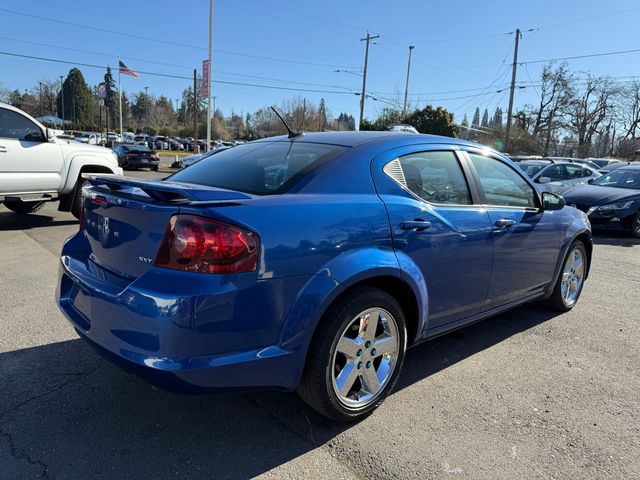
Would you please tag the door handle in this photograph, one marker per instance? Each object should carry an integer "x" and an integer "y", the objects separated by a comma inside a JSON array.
[
  {"x": 504, "y": 223},
  {"x": 3, "y": 149},
  {"x": 417, "y": 224}
]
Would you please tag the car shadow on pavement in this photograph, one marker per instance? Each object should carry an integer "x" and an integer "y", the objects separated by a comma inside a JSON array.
[
  {"x": 67, "y": 412},
  {"x": 616, "y": 239},
  {"x": 13, "y": 221}
]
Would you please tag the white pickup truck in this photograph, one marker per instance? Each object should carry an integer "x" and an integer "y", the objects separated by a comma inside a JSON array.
[{"x": 37, "y": 167}]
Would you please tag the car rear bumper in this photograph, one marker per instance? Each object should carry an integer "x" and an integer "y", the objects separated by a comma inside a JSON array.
[
  {"x": 165, "y": 327},
  {"x": 140, "y": 164}
]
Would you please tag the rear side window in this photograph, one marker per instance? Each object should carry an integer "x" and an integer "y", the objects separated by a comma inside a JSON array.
[
  {"x": 502, "y": 185},
  {"x": 435, "y": 177},
  {"x": 577, "y": 171},
  {"x": 260, "y": 168}
]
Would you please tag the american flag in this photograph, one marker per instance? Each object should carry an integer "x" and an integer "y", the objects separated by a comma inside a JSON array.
[{"x": 126, "y": 70}]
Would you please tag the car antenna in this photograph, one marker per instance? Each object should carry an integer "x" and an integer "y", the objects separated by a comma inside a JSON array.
[{"x": 292, "y": 133}]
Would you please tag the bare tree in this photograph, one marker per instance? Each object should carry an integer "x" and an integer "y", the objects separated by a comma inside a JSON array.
[
  {"x": 629, "y": 109},
  {"x": 589, "y": 110}
]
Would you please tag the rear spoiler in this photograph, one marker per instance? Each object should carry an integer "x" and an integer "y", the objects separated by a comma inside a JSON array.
[{"x": 165, "y": 191}]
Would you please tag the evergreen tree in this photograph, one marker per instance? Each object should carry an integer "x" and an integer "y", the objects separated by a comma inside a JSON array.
[
  {"x": 464, "y": 127},
  {"x": 112, "y": 101},
  {"x": 322, "y": 115},
  {"x": 79, "y": 105},
  {"x": 485, "y": 119},
  {"x": 475, "y": 123}
]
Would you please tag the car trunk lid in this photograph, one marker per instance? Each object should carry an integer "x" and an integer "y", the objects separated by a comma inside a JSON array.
[{"x": 125, "y": 219}]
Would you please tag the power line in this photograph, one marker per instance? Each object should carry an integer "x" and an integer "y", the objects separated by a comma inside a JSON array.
[
  {"x": 604, "y": 54},
  {"x": 180, "y": 77},
  {"x": 168, "y": 42}
]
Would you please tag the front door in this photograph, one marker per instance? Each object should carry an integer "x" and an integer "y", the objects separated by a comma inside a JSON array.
[
  {"x": 526, "y": 238},
  {"x": 435, "y": 223}
]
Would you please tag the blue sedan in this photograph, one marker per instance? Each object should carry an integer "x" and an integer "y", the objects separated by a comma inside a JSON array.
[{"x": 313, "y": 262}]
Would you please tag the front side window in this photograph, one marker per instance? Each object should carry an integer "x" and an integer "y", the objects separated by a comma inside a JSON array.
[
  {"x": 502, "y": 185},
  {"x": 14, "y": 125},
  {"x": 620, "y": 179},
  {"x": 435, "y": 177}
]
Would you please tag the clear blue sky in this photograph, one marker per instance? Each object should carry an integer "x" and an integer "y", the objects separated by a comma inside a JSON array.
[{"x": 459, "y": 46}]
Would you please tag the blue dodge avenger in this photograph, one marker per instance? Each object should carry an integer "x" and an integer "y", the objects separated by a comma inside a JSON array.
[{"x": 312, "y": 262}]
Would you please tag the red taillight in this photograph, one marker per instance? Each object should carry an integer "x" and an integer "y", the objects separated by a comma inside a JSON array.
[{"x": 199, "y": 244}]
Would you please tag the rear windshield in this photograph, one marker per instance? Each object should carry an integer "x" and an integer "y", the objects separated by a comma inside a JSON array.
[{"x": 261, "y": 168}]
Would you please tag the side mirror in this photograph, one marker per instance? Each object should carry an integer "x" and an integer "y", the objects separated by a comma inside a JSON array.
[
  {"x": 590, "y": 181},
  {"x": 544, "y": 180},
  {"x": 49, "y": 134},
  {"x": 551, "y": 201}
]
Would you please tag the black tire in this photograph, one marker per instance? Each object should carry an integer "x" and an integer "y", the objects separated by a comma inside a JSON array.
[
  {"x": 316, "y": 387},
  {"x": 556, "y": 301},
  {"x": 635, "y": 225},
  {"x": 22, "y": 208},
  {"x": 76, "y": 203},
  {"x": 154, "y": 168}
]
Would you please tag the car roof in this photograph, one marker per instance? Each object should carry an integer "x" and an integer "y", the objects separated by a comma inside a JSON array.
[
  {"x": 355, "y": 138},
  {"x": 632, "y": 166}
]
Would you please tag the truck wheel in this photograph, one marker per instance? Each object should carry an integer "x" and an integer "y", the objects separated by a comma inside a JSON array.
[
  {"x": 21, "y": 207},
  {"x": 76, "y": 205}
]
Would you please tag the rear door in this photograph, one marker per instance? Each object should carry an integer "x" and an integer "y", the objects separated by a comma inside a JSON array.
[
  {"x": 438, "y": 225},
  {"x": 28, "y": 162},
  {"x": 526, "y": 238}
]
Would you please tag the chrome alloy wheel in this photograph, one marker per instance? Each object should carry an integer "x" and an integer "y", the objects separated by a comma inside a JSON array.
[
  {"x": 365, "y": 357},
  {"x": 636, "y": 226},
  {"x": 572, "y": 277}
]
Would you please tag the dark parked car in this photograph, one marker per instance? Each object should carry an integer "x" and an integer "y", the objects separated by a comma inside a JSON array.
[
  {"x": 612, "y": 201},
  {"x": 613, "y": 166},
  {"x": 136, "y": 156},
  {"x": 557, "y": 177},
  {"x": 313, "y": 262}
]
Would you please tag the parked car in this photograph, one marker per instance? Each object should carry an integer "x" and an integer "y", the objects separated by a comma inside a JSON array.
[
  {"x": 611, "y": 201},
  {"x": 319, "y": 275},
  {"x": 175, "y": 144},
  {"x": 160, "y": 143},
  {"x": 613, "y": 166},
  {"x": 557, "y": 177},
  {"x": 88, "y": 138},
  {"x": 113, "y": 137},
  {"x": 191, "y": 159},
  {"x": 136, "y": 156},
  {"x": 401, "y": 127},
  {"x": 603, "y": 162},
  {"x": 36, "y": 167},
  {"x": 140, "y": 140}
]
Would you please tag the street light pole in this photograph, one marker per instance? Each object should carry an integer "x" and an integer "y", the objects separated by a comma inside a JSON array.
[
  {"x": 209, "y": 78},
  {"x": 406, "y": 86},
  {"x": 364, "y": 75}
]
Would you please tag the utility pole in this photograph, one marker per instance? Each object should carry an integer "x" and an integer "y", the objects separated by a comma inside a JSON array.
[
  {"x": 62, "y": 99},
  {"x": 213, "y": 99},
  {"x": 513, "y": 89},
  {"x": 196, "y": 147},
  {"x": 364, "y": 76},
  {"x": 209, "y": 78},
  {"x": 406, "y": 85}
]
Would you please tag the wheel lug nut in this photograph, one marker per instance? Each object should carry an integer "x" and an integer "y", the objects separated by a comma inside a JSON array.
[
  {"x": 359, "y": 352},
  {"x": 373, "y": 351},
  {"x": 368, "y": 344},
  {"x": 368, "y": 364},
  {"x": 359, "y": 364}
]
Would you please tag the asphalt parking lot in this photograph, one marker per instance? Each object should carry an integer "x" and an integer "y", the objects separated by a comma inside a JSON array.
[{"x": 528, "y": 394}]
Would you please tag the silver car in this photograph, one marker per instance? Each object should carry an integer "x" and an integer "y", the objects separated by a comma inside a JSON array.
[{"x": 558, "y": 177}]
